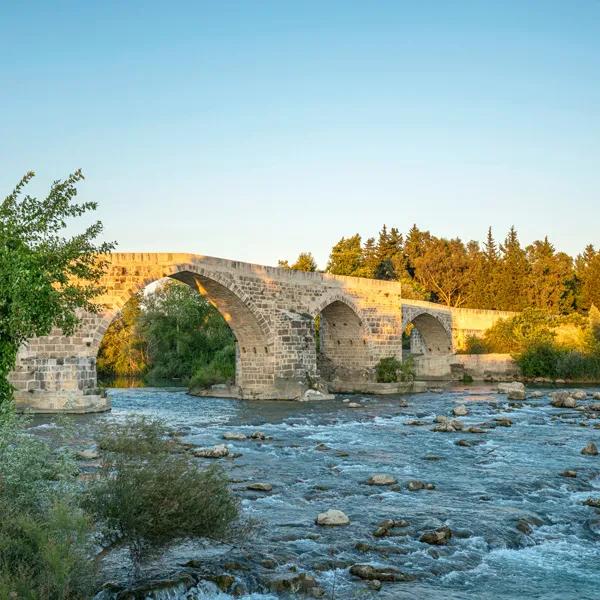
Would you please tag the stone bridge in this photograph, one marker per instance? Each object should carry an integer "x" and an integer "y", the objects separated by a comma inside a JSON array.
[{"x": 271, "y": 312}]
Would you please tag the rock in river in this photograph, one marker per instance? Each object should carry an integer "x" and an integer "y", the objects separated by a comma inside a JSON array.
[
  {"x": 259, "y": 487},
  {"x": 218, "y": 451},
  {"x": 438, "y": 537},
  {"x": 381, "y": 479},
  {"x": 416, "y": 485},
  {"x": 514, "y": 390},
  {"x": 332, "y": 517},
  {"x": 234, "y": 435},
  {"x": 590, "y": 450},
  {"x": 562, "y": 399},
  {"x": 371, "y": 573},
  {"x": 460, "y": 410}
]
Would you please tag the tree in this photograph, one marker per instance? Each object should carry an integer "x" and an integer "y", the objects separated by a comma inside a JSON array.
[
  {"x": 183, "y": 333},
  {"x": 123, "y": 348},
  {"x": 443, "y": 269},
  {"x": 587, "y": 269},
  {"x": 346, "y": 257},
  {"x": 549, "y": 275},
  {"x": 46, "y": 277},
  {"x": 305, "y": 262},
  {"x": 512, "y": 274}
]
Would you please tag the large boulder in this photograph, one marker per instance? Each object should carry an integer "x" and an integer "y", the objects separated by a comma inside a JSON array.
[
  {"x": 515, "y": 390},
  {"x": 460, "y": 410},
  {"x": 579, "y": 395},
  {"x": 332, "y": 517}
]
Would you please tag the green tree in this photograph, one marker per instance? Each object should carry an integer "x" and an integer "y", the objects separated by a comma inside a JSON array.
[
  {"x": 305, "y": 262},
  {"x": 512, "y": 274},
  {"x": 587, "y": 269},
  {"x": 346, "y": 257},
  {"x": 183, "y": 332},
  {"x": 443, "y": 269},
  {"x": 46, "y": 277},
  {"x": 549, "y": 276},
  {"x": 123, "y": 349}
]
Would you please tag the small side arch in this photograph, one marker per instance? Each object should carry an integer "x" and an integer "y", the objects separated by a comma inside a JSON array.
[
  {"x": 428, "y": 334},
  {"x": 343, "y": 342}
]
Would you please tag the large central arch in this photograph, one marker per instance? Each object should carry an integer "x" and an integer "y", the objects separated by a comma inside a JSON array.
[
  {"x": 255, "y": 351},
  {"x": 428, "y": 335}
]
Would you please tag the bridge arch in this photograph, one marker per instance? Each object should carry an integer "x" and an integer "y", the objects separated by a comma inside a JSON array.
[
  {"x": 343, "y": 340},
  {"x": 429, "y": 334},
  {"x": 254, "y": 340}
]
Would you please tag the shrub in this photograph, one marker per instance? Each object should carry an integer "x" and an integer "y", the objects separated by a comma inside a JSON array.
[
  {"x": 146, "y": 498},
  {"x": 221, "y": 369},
  {"x": 540, "y": 360},
  {"x": 387, "y": 369},
  {"x": 44, "y": 536},
  {"x": 407, "y": 369},
  {"x": 136, "y": 436},
  {"x": 475, "y": 345}
]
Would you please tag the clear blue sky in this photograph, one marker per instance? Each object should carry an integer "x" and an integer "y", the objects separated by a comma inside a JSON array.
[{"x": 257, "y": 129}]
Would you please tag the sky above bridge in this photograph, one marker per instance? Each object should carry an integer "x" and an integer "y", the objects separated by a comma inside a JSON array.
[{"x": 258, "y": 129}]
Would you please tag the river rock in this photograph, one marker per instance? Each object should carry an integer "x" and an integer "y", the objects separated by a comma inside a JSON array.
[
  {"x": 354, "y": 405},
  {"x": 514, "y": 390},
  {"x": 437, "y": 537},
  {"x": 88, "y": 454},
  {"x": 536, "y": 394},
  {"x": 295, "y": 583},
  {"x": 464, "y": 443},
  {"x": 596, "y": 395},
  {"x": 258, "y": 435},
  {"x": 594, "y": 407},
  {"x": 590, "y": 450},
  {"x": 332, "y": 517},
  {"x": 416, "y": 485},
  {"x": 234, "y": 435},
  {"x": 579, "y": 395},
  {"x": 593, "y": 502},
  {"x": 384, "y": 528},
  {"x": 372, "y": 573},
  {"x": 259, "y": 487},
  {"x": 562, "y": 399},
  {"x": 381, "y": 479},
  {"x": 475, "y": 429},
  {"x": 503, "y": 422},
  {"x": 460, "y": 410},
  {"x": 569, "y": 473},
  {"x": 218, "y": 451},
  {"x": 311, "y": 395}
]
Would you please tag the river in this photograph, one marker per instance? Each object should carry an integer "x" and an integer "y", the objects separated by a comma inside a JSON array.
[{"x": 321, "y": 455}]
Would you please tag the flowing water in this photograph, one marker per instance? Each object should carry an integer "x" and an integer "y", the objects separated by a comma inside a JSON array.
[{"x": 321, "y": 455}]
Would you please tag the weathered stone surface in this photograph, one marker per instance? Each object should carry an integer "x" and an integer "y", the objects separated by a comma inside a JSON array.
[
  {"x": 590, "y": 450},
  {"x": 415, "y": 485},
  {"x": 437, "y": 537},
  {"x": 88, "y": 454},
  {"x": 312, "y": 395},
  {"x": 332, "y": 517},
  {"x": 381, "y": 479},
  {"x": 460, "y": 410},
  {"x": 259, "y": 487},
  {"x": 232, "y": 435},
  {"x": 376, "y": 573},
  {"x": 562, "y": 399},
  {"x": 218, "y": 451},
  {"x": 515, "y": 390}
]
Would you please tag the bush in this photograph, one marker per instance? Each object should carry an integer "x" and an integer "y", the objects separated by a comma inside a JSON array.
[
  {"x": 221, "y": 369},
  {"x": 136, "y": 436},
  {"x": 540, "y": 360},
  {"x": 146, "y": 498},
  {"x": 387, "y": 370},
  {"x": 475, "y": 345},
  {"x": 44, "y": 536}
]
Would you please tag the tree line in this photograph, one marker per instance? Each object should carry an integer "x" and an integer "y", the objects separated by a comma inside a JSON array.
[{"x": 503, "y": 275}]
